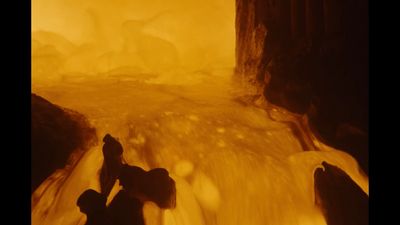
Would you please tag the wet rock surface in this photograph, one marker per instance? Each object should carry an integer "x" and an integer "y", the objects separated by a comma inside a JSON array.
[
  {"x": 342, "y": 201},
  {"x": 56, "y": 133}
]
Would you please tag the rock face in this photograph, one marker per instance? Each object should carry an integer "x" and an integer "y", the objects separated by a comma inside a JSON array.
[
  {"x": 56, "y": 132},
  {"x": 342, "y": 201},
  {"x": 311, "y": 57}
]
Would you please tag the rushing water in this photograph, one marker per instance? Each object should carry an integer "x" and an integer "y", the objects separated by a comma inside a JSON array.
[{"x": 233, "y": 163}]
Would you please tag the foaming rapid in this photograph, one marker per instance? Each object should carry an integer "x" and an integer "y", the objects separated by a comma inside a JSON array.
[{"x": 233, "y": 163}]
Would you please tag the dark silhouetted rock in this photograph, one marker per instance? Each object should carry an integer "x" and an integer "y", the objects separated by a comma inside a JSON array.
[
  {"x": 156, "y": 185},
  {"x": 303, "y": 54},
  {"x": 56, "y": 133},
  {"x": 93, "y": 204},
  {"x": 342, "y": 201},
  {"x": 126, "y": 210}
]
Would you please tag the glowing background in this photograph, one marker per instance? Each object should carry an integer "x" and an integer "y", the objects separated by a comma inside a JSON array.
[{"x": 152, "y": 36}]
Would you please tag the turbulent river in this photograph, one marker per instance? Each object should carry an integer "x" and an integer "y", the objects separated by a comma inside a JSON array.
[{"x": 234, "y": 163}]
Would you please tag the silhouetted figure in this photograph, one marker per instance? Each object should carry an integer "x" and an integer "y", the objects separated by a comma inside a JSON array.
[
  {"x": 112, "y": 152},
  {"x": 93, "y": 204}
]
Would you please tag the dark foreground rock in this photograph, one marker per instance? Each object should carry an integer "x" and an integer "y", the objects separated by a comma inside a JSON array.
[
  {"x": 342, "y": 201},
  {"x": 56, "y": 133}
]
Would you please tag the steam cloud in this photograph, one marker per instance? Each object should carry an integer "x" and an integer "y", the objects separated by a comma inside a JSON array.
[{"x": 98, "y": 37}]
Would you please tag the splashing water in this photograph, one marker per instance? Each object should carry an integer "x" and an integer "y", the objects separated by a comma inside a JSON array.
[
  {"x": 233, "y": 163},
  {"x": 154, "y": 75}
]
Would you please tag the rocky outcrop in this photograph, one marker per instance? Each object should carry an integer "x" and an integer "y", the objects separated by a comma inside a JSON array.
[
  {"x": 341, "y": 200},
  {"x": 56, "y": 133},
  {"x": 311, "y": 57}
]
